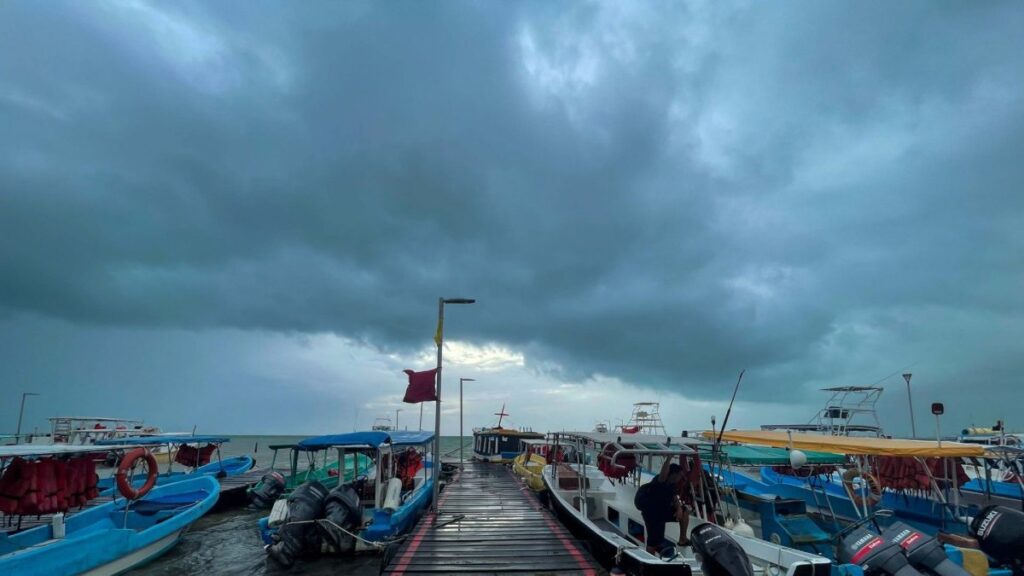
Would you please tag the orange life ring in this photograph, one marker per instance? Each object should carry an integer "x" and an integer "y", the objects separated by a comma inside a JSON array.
[
  {"x": 874, "y": 495},
  {"x": 127, "y": 463}
]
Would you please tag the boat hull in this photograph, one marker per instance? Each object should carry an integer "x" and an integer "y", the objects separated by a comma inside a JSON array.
[
  {"x": 139, "y": 557},
  {"x": 531, "y": 471}
]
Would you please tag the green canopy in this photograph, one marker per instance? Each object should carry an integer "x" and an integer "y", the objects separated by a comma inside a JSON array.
[{"x": 763, "y": 456}]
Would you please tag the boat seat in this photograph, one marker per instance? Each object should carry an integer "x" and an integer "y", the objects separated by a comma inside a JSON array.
[{"x": 569, "y": 478}]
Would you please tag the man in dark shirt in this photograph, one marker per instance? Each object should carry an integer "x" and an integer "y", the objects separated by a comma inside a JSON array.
[{"x": 659, "y": 503}]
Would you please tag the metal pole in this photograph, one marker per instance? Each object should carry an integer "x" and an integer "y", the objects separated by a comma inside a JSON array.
[
  {"x": 421, "y": 416},
  {"x": 397, "y": 410},
  {"x": 461, "y": 441},
  {"x": 17, "y": 434},
  {"x": 437, "y": 406},
  {"x": 910, "y": 406}
]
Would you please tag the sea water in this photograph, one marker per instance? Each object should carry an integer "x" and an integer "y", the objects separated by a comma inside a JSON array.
[{"x": 229, "y": 543}]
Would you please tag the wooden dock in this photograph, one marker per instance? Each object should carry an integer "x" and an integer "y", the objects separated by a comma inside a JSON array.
[
  {"x": 234, "y": 490},
  {"x": 489, "y": 523}
]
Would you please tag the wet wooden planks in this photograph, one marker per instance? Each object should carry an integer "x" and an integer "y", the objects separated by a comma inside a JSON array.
[
  {"x": 234, "y": 490},
  {"x": 489, "y": 523}
]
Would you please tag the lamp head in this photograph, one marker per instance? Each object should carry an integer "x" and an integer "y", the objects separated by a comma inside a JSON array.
[{"x": 458, "y": 300}]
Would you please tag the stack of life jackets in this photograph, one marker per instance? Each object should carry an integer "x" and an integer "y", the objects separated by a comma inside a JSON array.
[
  {"x": 194, "y": 457},
  {"x": 408, "y": 464},
  {"x": 897, "y": 473},
  {"x": 47, "y": 486},
  {"x": 615, "y": 470}
]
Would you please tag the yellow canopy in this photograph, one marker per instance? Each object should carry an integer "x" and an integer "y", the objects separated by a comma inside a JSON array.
[{"x": 850, "y": 445}]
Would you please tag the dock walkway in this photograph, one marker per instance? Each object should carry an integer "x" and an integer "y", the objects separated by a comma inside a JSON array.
[{"x": 490, "y": 523}]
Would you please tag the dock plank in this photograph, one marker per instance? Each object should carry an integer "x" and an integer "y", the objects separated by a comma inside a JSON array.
[{"x": 489, "y": 523}]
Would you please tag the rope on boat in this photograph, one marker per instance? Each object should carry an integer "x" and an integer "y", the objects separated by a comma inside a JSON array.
[{"x": 378, "y": 545}]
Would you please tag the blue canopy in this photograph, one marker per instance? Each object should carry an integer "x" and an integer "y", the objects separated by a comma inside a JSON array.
[
  {"x": 375, "y": 439},
  {"x": 152, "y": 440}
]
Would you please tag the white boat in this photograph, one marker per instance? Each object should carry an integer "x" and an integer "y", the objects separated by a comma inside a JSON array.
[{"x": 601, "y": 509}]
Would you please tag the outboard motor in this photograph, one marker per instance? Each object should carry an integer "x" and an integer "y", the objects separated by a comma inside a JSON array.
[
  {"x": 1000, "y": 533},
  {"x": 923, "y": 552},
  {"x": 342, "y": 510},
  {"x": 720, "y": 555},
  {"x": 299, "y": 534},
  {"x": 271, "y": 486},
  {"x": 876, "y": 555}
]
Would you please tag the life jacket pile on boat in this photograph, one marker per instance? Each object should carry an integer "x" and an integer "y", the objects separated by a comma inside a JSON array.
[
  {"x": 407, "y": 464},
  {"x": 194, "y": 457},
  {"x": 899, "y": 473},
  {"x": 47, "y": 486}
]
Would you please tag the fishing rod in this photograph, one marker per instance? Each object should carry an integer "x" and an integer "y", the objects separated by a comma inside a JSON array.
[{"x": 729, "y": 411}]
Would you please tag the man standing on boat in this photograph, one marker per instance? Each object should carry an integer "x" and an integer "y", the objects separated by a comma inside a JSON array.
[{"x": 659, "y": 503}]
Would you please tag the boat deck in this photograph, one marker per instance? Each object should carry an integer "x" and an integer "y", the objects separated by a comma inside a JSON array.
[
  {"x": 233, "y": 490},
  {"x": 490, "y": 523},
  {"x": 11, "y": 524}
]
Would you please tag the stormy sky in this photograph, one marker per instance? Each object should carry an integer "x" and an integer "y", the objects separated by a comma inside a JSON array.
[{"x": 239, "y": 216}]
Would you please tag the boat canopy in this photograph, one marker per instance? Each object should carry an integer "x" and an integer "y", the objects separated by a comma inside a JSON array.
[
  {"x": 740, "y": 455},
  {"x": 160, "y": 440},
  {"x": 371, "y": 439},
  {"x": 850, "y": 444},
  {"x": 637, "y": 443},
  {"x": 534, "y": 442},
  {"x": 24, "y": 450}
]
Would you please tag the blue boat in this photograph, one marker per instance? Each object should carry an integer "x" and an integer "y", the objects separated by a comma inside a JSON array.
[
  {"x": 397, "y": 496},
  {"x": 111, "y": 538},
  {"x": 218, "y": 468}
]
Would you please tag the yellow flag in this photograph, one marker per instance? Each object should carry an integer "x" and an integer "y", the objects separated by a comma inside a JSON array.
[{"x": 439, "y": 333}]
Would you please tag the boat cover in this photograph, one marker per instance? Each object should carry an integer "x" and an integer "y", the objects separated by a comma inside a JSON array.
[
  {"x": 764, "y": 456},
  {"x": 851, "y": 445},
  {"x": 374, "y": 439},
  {"x": 158, "y": 440}
]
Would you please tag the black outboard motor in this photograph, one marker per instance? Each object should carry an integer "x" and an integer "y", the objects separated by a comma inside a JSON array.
[
  {"x": 342, "y": 509},
  {"x": 923, "y": 552},
  {"x": 299, "y": 534},
  {"x": 1000, "y": 533},
  {"x": 720, "y": 555},
  {"x": 271, "y": 486},
  {"x": 876, "y": 555}
]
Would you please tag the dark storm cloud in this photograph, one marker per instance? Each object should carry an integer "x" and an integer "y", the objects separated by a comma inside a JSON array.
[{"x": 664, "y": 193}]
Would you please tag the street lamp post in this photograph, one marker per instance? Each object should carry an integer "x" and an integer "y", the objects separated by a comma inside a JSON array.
[
  {"x": 397, "y": 410},
  {"x": 461, "y": 437},
  {"x": 17, "y": 434},
  {"x": 910, "y": 405},
  {"x": 439, "y": 337}
]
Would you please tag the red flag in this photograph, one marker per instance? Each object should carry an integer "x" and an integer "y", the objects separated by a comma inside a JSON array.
[{"x": 421, "y": 386}]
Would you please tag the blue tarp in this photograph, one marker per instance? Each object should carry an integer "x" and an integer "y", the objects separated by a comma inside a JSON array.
[
  {"x": 151, "y": 440},
  {"x": 396, "y": 437}
]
